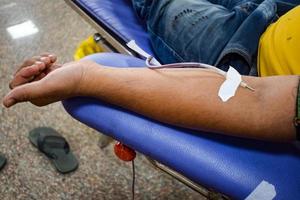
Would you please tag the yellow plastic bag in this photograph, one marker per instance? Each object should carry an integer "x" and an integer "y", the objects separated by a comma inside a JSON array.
[{"x": 87, "y": 47}]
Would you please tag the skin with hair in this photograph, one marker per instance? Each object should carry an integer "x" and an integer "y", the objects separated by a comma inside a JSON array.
[{"x": 182, "y": 97}]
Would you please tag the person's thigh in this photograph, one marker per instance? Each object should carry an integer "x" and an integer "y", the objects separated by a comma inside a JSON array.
[
  {"x": 194, "y": 30},
  {"x": 142, "y": 7}
]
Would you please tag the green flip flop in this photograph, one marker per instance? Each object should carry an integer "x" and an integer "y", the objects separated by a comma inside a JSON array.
[
  {"x": 2, "y": 161},
  {"x": 55, "y": 147}
]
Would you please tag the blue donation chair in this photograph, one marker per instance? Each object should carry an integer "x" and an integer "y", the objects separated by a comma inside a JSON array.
[{"x": 231, "y": 166}]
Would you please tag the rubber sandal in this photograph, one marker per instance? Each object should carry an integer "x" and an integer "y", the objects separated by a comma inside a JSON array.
[
  {"x": 2, "y": 161},
  {"x": 55, "y": 147}
]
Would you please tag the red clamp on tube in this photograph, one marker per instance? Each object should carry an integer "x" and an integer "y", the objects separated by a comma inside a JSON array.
[{"x": 124, "y": 152}]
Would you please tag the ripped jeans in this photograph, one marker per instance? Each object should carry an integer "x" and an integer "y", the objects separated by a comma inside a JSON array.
[{"x": 218, "y": 32}]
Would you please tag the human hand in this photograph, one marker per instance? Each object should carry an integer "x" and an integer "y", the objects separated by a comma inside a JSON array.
[{"x": 41, "y": 81}]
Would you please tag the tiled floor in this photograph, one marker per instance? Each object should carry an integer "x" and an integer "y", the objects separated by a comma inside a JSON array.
[{"x": 28, "y": 174}]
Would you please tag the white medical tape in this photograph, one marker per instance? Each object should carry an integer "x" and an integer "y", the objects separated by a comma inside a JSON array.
[
  {"x": 150, "y": 60},
  {"x": 230, "y": 85},
  {"x": 264, "y": 191}
]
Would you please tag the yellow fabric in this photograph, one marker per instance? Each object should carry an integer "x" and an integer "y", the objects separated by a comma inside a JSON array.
[
  {"x": 87, "y": 47},
  {"x": 279, "y": 47}
]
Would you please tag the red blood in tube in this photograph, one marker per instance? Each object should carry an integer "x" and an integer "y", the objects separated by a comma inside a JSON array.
[{"x": 124, "y": 152}]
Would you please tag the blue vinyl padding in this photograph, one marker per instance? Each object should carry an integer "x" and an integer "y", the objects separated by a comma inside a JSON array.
[
  {"x": 119, "y": 19},
  {"x": 229, "y": 165}
]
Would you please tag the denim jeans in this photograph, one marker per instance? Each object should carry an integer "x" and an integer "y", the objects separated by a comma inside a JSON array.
[{"x": 218, "y": 32}]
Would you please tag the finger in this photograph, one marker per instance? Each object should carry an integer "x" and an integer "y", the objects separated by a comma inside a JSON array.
[
  {"x": 26, "y": 63},
  {"x": 40, "y": 65},
  {"x": 23, "y": 93},
  {"x": 26, "y": 75},
  {"x": 46, "y": 58},
  {"x": 27, "y": 72},
  {"x": 41, "y": 58},
  {"x": 52, "y": 57}
]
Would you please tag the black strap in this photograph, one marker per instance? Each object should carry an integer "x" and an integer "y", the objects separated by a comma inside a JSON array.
[{"x": 47, "y": 143}]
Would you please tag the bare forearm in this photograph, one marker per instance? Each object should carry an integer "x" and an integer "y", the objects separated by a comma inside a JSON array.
[
  {"x": 183, "y": 97},
  {"x": 188, "y": 98}
]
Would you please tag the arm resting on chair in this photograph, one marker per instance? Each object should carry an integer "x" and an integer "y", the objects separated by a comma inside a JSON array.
[
  {"x": 189, "y": 98},
  {"x": 182, "y": 97}
]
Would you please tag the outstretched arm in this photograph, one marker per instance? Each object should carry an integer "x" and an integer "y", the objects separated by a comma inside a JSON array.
[
  {"x": 182, "y": 97},
  {"x": 189, "y": 98}
]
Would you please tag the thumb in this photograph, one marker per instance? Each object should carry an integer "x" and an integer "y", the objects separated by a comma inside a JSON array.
[{"x": 23, "y": 93}]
